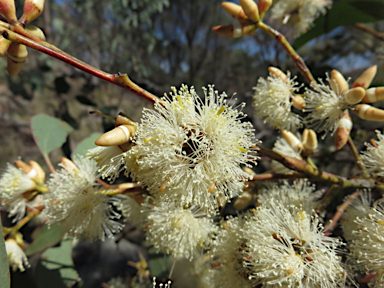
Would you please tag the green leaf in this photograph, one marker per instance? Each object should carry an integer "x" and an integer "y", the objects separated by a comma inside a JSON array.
[
  {"x": 49, "y": 132},
  {"x": 4, "y": 267},
  {"x": 343, "y": 13},
  {"x": 44, "y": 238},
  {"x": 86, "y": 144},
  {"x": 59, "y": 258}
]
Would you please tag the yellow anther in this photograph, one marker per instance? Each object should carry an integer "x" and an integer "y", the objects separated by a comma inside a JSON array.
[
  {"x": 380, "y": 222},
  {"x": 241, "y": 149},
  {"x": 221, "y": 110},
  {"x": 148, "y": 139},
  {"x": 179, "y": 99}
]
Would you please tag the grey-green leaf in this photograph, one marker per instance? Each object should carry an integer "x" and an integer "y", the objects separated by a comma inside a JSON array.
[
  {"x": 50, "y": 133},
  {"x": 86, "y": 144},
  {"x": 4, "y": 267},
  {"x": 44, "y": 238}
]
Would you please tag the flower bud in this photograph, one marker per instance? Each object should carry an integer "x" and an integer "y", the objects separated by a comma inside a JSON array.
[
  {"x": 7, "y": 8},
  {"x": 249, "y": 171},
  {"x": 4, "y": 45},
  {"x": 40, "y": 172},
  {"x": 250, "y": 9},
  {"x": 343, "y": 130},
  {"x": 35, "y": 31},
  {"x": 124, "y": 120},
  {"x": 354, "y": 95},
  {"x": 292, "y": 140},
  {"x": 278, "y": 73},
  {"x": 243, "y": 200},
  {"x": 373, "y": 95},
  {"x": 367, "y": 112},
  {"x": 298, "y": 102},
  {"x": 338, "y": 83},
  {"x": 309, "y": 140},
  {"x": 234, "y": 10},
  {"x": 117, "y": 136},
  {"x": 16, "y": 57},
  {"x": 32, "y": 9},
  {"x": 68, "y": 164},
  {"x": 365, "y": 79},
  {"x": 25, "y": 168},
  {"x": 264, "y": 6},
  {"x": 236, "y": 30}
]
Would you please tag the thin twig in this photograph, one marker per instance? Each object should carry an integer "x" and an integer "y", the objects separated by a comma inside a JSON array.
[
  {"x": 270, "y": 176},
  {"x": 356, "y": 157},
  {"x": 369, "y": 30},
  {"x": 119, "y": 79},
  {"x": 340, "y": 210},
  {"x": 23, "y": 221},
  {"x": 299, "y": 62}
]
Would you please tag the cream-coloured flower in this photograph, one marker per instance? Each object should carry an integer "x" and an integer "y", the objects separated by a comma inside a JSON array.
[
  {"x": 130, "y": 209},
  {"x": 373, "y": 157},
  {"x": 75, "y": 200},
  {"x": 272, "y": 102},
  {"x": 300, "y": 193},
  {"x": 299, "y": 13},
  {"x": 325, "y": 107},
  {"x": 13, "y": 183},
  {"x": 189, "y": 150},
  {"x": 367, "y": 247},
  {"x": 110, "y": 160},
  {"x": 16, "y": 256},
  {"x": 277, "y": 246},
  {"x": 285, "y": 247},
  {"x": 178, "y": 231}
]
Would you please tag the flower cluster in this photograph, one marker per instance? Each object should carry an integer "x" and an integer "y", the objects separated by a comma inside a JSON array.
[
  {"x": 373, "y": 157},
  {"x": 279, "y": 246},
  {"x": 76, "y": 202},
  {"x": 189, "y": 150},
  {"x": 272, "y": 100}
]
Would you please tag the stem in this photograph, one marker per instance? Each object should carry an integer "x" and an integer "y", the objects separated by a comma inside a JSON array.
[
  {"x": 314, "y": 173},
  {"x": 328, "y": 197},
  {"x": 340, "y": 210},
  {"x": 356, "y": 157},
  {"x": 299, "y": 62},
  {"x": 119, "y": 79},
  {"x": 23, "y": 221},
  {"x": 270, "y": 176},
  {"x": 369, "y": 30}
]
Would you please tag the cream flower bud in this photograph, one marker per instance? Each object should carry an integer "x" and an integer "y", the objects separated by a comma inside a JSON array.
[
  {"x": 4, "y": 45},
  {"x": 236, "y": 30},
  {"x": 243, "y": 200},
  {"x": 35, "y": 31},
  {"x": 122, "y": 119},
  {"x": 367, "y": 112},
  {"x": 250, "y": 9},
  {"x": 338, "y": 83},
  {"x": 234, "y": 10},
  {"x": 292, "y": 140},
  {"x": 40, "y": 172},
  {"x": 278, "y": 73},
  {"x": 298, "y": 102},
  {"x": 117, "y": 136},
  {"x": 264, "y": 6},
  {"x": 309, "y": 140},
  {"x": 7, "y": 8},
  {"x": 365, "y": 79},
  {"x": 32, "y": 9},
  {"x": 16, "y": 57},
  {"x": 354, "y": 95},
  {"x": 343, "y": 130},
  {"x": 373, "y": 95},
  {"x": 68, "y": 164}
]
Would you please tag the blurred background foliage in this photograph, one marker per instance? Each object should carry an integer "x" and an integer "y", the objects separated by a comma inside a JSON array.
[{"x": 160, "y": 44}]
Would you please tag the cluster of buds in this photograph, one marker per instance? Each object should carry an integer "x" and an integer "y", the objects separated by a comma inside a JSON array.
[
  {"x": 17, "y": 53},
  {"x": 119, "y": 136},
  {"x": 358, "y": 95},
  {"x": 36, "y": 174},
  {"x": 306, "y": 146},
  {"x": 248, "y": 14}
]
